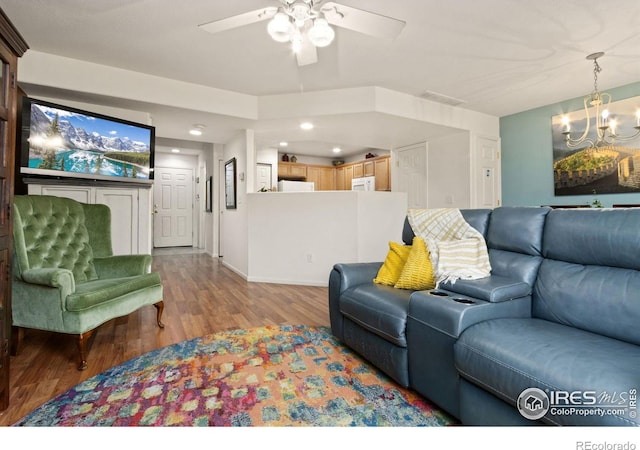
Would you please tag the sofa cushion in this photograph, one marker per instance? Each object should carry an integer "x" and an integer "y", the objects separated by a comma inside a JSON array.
[
  {"x": 517, "y": 229},
  {"x": 507, "y": 356},
  {"x": 603, "y": 300},
  {"x": 515, "y": 265},
  {"x": 92, "y": 293},
  {"x": 379, "y": 309},
  {"x": 602, "y": 237}
]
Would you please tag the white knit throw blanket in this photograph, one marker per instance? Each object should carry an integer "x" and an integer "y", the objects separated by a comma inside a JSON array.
[{"x": 457, "y": 249}]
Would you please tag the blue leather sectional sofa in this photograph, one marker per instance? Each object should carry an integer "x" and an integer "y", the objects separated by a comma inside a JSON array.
[{"x": 551, "y": 337}]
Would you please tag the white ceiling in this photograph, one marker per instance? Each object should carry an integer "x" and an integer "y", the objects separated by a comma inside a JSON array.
[{"x": 498, "y": 56}]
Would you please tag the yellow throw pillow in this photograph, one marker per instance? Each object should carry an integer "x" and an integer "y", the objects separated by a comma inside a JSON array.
[
  {"x": 393, "y": 264},
  {"x": 417, "y": 273}
]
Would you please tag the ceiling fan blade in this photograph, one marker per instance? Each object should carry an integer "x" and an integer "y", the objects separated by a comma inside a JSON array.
[
  {"x": 307, "y": 54},
  {"x": 362, "y": 21},
  {"x": 239, "y": 21}
]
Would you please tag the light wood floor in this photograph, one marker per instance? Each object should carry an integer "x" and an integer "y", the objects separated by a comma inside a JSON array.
[{"x": 201, "y": 296}]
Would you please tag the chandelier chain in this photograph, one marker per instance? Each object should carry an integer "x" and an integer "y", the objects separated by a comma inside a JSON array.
[{"x": 596, "y": 70}]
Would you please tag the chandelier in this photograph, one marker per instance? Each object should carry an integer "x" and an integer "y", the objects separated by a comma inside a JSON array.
[
  {"x": 606, "y": 125},
  {"x": 296, "y": 17}
]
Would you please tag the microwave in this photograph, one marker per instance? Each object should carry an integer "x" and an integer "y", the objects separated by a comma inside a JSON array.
[{"x": 363, "y": 184}]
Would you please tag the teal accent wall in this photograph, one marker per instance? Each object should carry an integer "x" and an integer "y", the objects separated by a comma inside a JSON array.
[{"x": 527, "y": 156}]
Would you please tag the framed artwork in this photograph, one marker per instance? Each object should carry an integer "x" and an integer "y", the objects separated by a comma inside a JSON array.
[
  {"x": 605, "y": 167},
  {"x": 230, "y": 184},
  {"x": 209, "y": 194}
]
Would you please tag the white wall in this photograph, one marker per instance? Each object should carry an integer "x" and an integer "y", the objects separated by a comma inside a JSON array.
[
  {"x": 235, "y": 242},
  {"x": 297, "y": 237},
  {"x": 449, "y": 165}
]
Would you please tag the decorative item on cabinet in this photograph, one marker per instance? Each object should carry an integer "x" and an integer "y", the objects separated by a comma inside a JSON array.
[
  {"x": 294, "y": 159},
  {"x": 285, "y": 158},
  {"x": 369, "y": 155},
  {"x": 338, "y": 162}
]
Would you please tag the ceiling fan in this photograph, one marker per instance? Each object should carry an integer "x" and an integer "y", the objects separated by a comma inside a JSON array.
[{"x": 306, "y": 24}]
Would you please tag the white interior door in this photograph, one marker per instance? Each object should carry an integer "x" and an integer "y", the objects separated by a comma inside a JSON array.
[
  {"x": 412, "y": 175},
  {"x": 488, "y": 177},
  {"x": 263, "y": 180},
  {"x": 173, "y": 207}
]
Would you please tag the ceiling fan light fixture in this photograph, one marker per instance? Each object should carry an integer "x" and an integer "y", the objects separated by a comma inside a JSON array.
[
  {"x": 301, "y": 12},
  {"x": 280, "y": 27},
  {"x": 296, "y": 41},
  {"x": 321, "y": 34}
]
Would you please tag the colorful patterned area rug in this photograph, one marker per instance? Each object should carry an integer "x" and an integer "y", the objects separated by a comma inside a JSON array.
[{"x": 267, "y": 376}]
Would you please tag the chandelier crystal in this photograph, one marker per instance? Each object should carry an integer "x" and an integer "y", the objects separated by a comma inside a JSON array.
[
  {"x": 290, "y": 22},
  {"x": 606, "y": 126}
]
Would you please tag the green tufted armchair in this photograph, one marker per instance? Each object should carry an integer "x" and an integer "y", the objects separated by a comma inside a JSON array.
[{"x": 65, "y": 276}]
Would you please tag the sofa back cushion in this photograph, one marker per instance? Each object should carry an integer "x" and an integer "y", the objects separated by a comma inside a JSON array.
[
  {"x": 49, "y": 232},
  {"x": 590, "y": 277},
  {"x": 514, "y": 239},
  {"x": 517, "y": 229}
]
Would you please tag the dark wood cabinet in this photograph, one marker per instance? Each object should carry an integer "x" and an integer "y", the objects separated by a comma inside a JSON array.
[{"x": 12, "y": 46}]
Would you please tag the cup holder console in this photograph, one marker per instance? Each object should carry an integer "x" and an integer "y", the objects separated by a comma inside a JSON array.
[
  {"x": 439, "y": 293},
  {"x": 464, "y": 301}
]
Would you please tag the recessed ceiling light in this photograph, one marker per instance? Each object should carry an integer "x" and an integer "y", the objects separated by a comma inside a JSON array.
[
  {"x": 196, "y": 130},
  {"x": 306, "y": 126},
  {"x": 175, "y": 150},
  {"x": 283, "y": 144},
  {"x": 337, "y": 149}
]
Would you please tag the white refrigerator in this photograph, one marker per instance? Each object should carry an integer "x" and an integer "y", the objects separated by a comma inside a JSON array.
[{"x": 295, "y": 186}]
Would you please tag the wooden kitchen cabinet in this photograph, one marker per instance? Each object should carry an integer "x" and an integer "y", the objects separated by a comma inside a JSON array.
[
  {"x": 323, "y": 176},
  {"x": 328, "y": 178},
  {"x": 340, "y": 186},
  {"x": 348, "y": 176},
  {"x": 292, "y": 170},
  {"x": 368, "y": 168},
  {"x": 358, "y": 170},
  {"x": 383, "y": 173}
]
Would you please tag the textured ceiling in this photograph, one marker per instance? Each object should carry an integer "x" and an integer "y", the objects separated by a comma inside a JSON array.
[{"x": 497, "y": 56}]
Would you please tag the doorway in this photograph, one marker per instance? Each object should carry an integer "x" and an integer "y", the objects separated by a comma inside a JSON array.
[
  {"x": 173, "y": 207},
  {"x": 412, "y": 174}
]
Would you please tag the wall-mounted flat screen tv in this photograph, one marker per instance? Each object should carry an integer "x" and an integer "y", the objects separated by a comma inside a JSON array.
[{"x": 60, "y": 141}]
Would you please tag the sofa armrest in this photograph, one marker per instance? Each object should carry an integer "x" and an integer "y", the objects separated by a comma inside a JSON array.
[
  {"x": 51, "y": 277},
  {"x": 341, "y": 278},
  {"x": 120, "y": 266},
  {"x": 494, "y": 288}
]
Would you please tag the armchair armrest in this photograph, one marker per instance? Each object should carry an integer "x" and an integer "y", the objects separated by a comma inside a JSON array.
[
  {"x": 122, "y": 266},
  {"x": 345, "y": 276},
  {"x": 341, "y": 278},
  {"x": 51, "y": 277}
]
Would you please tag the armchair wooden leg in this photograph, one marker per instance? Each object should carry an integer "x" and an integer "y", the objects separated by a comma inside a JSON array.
[
  {"x": 17, "y": 334},
  {"x": 82, "y": 347},
  {"x": 160, "y": 307}
]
